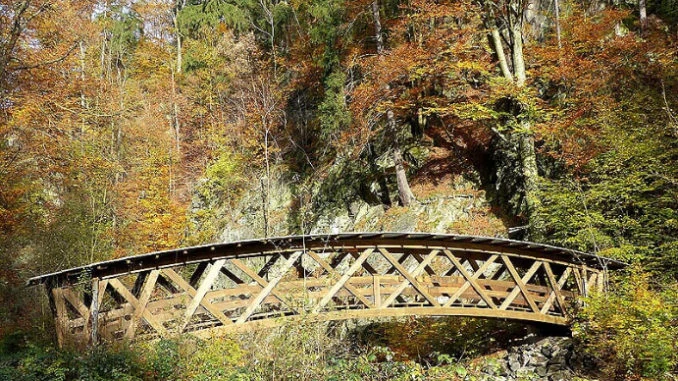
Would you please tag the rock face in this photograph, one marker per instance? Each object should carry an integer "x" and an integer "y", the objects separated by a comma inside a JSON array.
[
  {"x": 543, "y": 359},
  {"x": 455, "y": 205}
]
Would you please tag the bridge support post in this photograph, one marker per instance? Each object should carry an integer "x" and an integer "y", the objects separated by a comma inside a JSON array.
[{"x": 94, "y": 312}]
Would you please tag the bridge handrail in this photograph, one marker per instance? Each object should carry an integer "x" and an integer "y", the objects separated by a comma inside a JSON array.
[{"x": 257, "y": 247}]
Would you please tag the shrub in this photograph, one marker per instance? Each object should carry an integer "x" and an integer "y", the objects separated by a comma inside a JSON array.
[{"x": 631, "y": 332}]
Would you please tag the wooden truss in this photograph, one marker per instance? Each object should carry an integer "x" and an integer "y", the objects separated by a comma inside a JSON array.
[{"x": 228, "y": 292}]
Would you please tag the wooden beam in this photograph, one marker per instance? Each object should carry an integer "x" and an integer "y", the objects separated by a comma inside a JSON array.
[
  {"x": 269, "y": 287},
  {"x": 61, "y": 315},
  {"x": 520, "y": 284},
  {"x": 555, "y": 290},
  {"x": 132, "y": 300},
  {"x": 333, "y": 273},
  {"x": 260, "y": 281},
  {"x": 94, "y": 311},
  {"x": 366, "y": 266},
  {"x": 471, "y": 279},
  {"x": 197, "y": 274},
  {"x": 578, "y": 279},
  {"x": 428, "y": 268},
  {"x": 422, "y": 290},
  {"x": 344, "y": 278},
  {"x": 181, "y": 282},
  {"x": 76, "y": 302},
  {"x": 376, "y": 289},
  {"x": 205, "y": 286},
  {"x": 144, "y": 297},
  {"x": 415, "y": 273}
]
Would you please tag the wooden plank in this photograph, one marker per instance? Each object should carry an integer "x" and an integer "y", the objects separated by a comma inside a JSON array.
[
  {"x": 94, "y": 312},
  {"x": 601, "y": 281},
  {"x": 366, "y": 266},
  {"x": 181, "y": 282},
  {"x": 520, "y": 283},
  {"x": 131, "y": 299},
  {"x": 578, "y": 280},
  {"x": 376, "y": 289},
  {"x": 61, "y": 314},
  {"x": 236, "y": 279},
  {"x": 75, "y": 301},
  {"x": 561, "y": 284},
  {"x": 205, "y": 286},
  {"x": 139, "y": 283},
  {"x": 475, "y": 277},
  {"x": 197, "y": 274},
  {"x": 267, "y": 266},
  {"x": 144, "y": 297},
  {"x": 428, "y": 268},
  {"x": 333, "y": 273},
  {"x": 401, "y": 260},
  {"x": 261, "y": 282},
  {"x": 409, "y": 277},
  {"x": 474, "y": 265},
  {"x": 415, "y": 273},
  {"x": 591, "y": 282},
  {"x": 269, "y": 287},
  {"x": 470, "y": 279},
  {"x": 344, "y": 278},
  {"x": 555, "y": 290}
]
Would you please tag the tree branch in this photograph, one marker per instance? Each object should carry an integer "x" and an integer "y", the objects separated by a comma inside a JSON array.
[{"x": 50, "y": 62}]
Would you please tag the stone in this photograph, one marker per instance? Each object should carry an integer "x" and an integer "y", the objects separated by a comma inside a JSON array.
[
  {"x": 537, "y": 359},
  {"x": 563, "y": 375},
  {"x": 514, "y": 362},
  {"x": 547, "y": 350},
  {"x": 554, "y": 368}
]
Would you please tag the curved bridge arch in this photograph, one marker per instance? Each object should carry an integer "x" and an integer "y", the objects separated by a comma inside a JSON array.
[{"x": 224, "y": 287}]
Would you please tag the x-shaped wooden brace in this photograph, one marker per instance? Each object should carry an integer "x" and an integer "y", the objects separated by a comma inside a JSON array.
[
  {"x": 199, "y": 294},
  {"x": 268, "y": 288},
  {"x": 520, "y": 284},
  {"x": 556, "y": 287},
  {"x": 260, "y": 281},
  {"x": 404, "y": 257},
  {"x": 584, "y": 283},
  {"x": 192, "y": 292},
  {"x": 333, "y": 273},
  {"x": 471, "y": 280},
  {"x": 415, "y": 273},
  {"x": 139, "y": 305},
  {"x": 409, "y": 277},
  {"x": 75, "y": 301},
  {"x": 342, "y": 281}
]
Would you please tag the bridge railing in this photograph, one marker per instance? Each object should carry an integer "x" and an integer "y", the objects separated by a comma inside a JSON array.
[{"x": 220, "y": 288}]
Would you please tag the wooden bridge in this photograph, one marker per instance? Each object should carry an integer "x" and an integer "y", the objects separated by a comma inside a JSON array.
[{"x": 212, "y": 289}]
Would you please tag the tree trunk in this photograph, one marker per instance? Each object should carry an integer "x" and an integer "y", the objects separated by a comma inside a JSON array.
[
  {"x": 518, "y": 60},
  {"x": 526, "y": 150},
  {"x": 642, "y": 4},
  {"x": 501, "y": 56},
  {"x": 377, "y": 27},
  {"x": 384, "y": 194},
  {"x": 528, "y": 160},
  {"x": 7, "y": 48},
  {"x": 557, "y": 12},
  {"x": 404, "y": 191},
  {"x": 176, "y": 28}
]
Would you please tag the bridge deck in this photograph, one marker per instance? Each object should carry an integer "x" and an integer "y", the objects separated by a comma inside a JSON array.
[{"x": 223, "y": 287}]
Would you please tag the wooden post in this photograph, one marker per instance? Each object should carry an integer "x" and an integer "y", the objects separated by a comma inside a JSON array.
[
  {"x": 61, "y": 315},
  {"x": 376, "y": 288},
  {"x": 94, "y": 312}
]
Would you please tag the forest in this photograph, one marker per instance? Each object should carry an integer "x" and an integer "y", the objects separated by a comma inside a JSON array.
[{"x": 132, "y": 126}]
